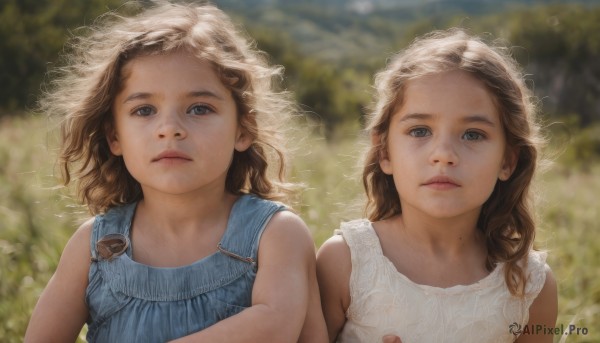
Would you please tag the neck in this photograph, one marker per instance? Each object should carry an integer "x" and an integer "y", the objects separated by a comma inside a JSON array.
[
  {"x": 444, "y": 237},
  {"x": 180, "y": 213}
]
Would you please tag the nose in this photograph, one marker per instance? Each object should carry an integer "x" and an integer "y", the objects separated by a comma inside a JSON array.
[
  {"x": 171, "y": 126},
  {"x": 444, "y": 152}
]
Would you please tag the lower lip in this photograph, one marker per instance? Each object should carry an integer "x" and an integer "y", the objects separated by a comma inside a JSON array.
[
  {"x": 442, "y": 186},
  {"x": 172, "y": 160}
]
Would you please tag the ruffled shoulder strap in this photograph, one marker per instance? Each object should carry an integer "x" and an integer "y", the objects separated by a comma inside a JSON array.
[
  {"x": 365, "y": 249},
  {"x": 361, "y": 238}
]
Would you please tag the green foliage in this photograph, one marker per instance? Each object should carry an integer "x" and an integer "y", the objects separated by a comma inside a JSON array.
[
  {"x": 554, "y": 43},
  {"x": 34, "y": 222},
  {"x": 569, "y": 232},
  {"x": 32, "y": 33},
  {"x": 563, "y": 53},
  {"x": 557, "y": 47},
  {"x": 331, "y": 51},
  {"x": 329, "y": 95},
  {"x": 558, "y": 32},
  {"x": 582, "y": 148}
]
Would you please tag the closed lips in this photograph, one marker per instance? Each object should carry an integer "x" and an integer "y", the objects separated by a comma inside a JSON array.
[
  {"x": 171, "y": 155},
  {"x": 441, "y": 180}
]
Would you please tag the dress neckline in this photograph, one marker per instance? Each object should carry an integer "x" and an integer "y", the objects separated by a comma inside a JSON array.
[{"x": 484, "y": 282}]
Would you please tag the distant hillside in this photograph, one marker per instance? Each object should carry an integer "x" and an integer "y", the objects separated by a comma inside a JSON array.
[
  {"x": 331, "y": 48},
  {"x": 558, "y": 42},
  {"x": 367, "y": 6},
  {"x": 359, "y": 32}
]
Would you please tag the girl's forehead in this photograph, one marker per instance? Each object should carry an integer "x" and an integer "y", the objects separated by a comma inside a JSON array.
[
  {"x": 171, "y": 73},
  {"x": 172, "y": 63},
  {"x": 453, "y": 93},
  {"x": 170, "y": 59}
]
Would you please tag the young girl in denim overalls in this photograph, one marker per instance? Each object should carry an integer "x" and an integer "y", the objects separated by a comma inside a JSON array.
[{"x": 171, "y": 136}]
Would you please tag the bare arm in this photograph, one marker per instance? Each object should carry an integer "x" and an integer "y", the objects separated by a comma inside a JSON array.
[
  {"x": 543, "y": 311},
  {"x": 333, "y": 272},
  {"x": 280, "y": 295},
  {"x": 314, "y": 329},
  {"x": 61, "y": 310}
]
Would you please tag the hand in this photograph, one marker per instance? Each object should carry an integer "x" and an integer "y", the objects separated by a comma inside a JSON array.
[{"x": 391, "y": 339}]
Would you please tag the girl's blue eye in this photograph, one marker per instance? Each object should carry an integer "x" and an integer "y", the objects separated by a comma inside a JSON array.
[
  {"x": 143, "y": 111},
  {"x": 473, "y": 136},
  {"x": 420, "y": 132},
  {"x": 200, "y": 110}
]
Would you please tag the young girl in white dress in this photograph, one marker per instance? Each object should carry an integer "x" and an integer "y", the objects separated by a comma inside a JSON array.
[{"x": 445, "y": 254}]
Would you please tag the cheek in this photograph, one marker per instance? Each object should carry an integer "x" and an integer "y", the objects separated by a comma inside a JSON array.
[{"x": 406, "y": 173}]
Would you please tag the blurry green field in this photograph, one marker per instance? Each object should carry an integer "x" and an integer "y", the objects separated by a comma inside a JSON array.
[{"x": 36, "y": 219}]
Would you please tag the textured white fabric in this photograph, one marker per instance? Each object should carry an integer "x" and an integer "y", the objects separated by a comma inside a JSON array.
[{"x": 384, "y": 301}]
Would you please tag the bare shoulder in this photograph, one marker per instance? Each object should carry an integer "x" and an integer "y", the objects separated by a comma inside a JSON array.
[
  {"x": 545, "y": 304},
  {"x": 334, "y": 262},
  {"x": 334, "y": 250},
  {"x": 286, "y": 232},
  {"x": 333, "y": 273},
  {"x": 83, "y": 234},
  {"x": 77, "y": 249},
  {"x": 74, "y": 264},
  {"x": 287, "y": 222},
  {"x": 543, "y": 310},
  {"x": 286, "y": 226}
]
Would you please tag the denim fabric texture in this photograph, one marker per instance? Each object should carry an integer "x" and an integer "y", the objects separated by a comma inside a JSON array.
[{"x": 133, "y": 302}]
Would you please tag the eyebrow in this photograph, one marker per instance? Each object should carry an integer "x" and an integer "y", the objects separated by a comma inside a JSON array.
[
  {"x": 194, "y": 94},
  {"x": 204, "y": 93},
  {"x": 475, "y": 118}
]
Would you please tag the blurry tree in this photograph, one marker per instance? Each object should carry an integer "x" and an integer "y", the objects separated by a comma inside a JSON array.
[
  {"x": 329, "y": 53},
  {"x": 558, "y": 47},
  {"x": 561, "y": 49},
  {"x": 332, "y": 95},
  {"x": 32, "y": 34}
]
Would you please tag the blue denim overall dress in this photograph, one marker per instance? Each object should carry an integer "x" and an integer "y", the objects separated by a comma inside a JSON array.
[{"x": 132, "y": 302}]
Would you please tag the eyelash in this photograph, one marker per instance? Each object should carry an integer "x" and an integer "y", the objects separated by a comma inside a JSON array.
[
  {"x": 413, "y": 132},
  {"x": 480, "y": 135},
  {"x": 421, "y": 132},
  {"x": 206, "y": 109},
  {"x": 137, "y": 111}
]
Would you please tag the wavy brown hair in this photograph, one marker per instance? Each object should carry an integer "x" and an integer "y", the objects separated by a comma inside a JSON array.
[
  {"x": 84, "y": 89},
  {"x": 506, "y": 219}
]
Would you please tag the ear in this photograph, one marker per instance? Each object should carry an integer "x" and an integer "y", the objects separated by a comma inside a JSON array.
[
  {"x": 242, "y": 140},
  {"x": 384, "y": 162},
  {"x": 508, "y": 165},
  {"x": 113, "y": 140}
]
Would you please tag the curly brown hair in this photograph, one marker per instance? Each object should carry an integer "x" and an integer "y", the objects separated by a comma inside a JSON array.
[
  {"x": 83, "y": 91},
  {"x": 506, "y": 219}
]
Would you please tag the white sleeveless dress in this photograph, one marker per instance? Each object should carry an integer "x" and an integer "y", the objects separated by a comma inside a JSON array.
[{"x": 384, "y": 301}]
